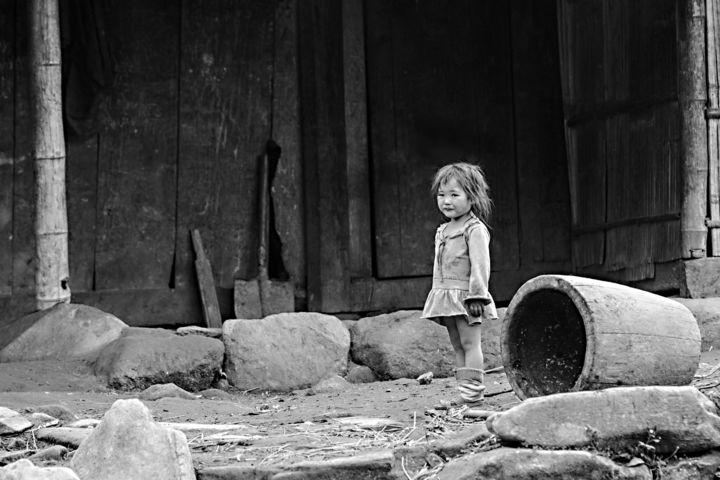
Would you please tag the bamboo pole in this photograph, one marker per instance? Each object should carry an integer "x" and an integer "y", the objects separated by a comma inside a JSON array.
[
  {"x": 713, "y": 119},
  {"x": 51, "y": 233},
  {"x": 692, "y": 97}
]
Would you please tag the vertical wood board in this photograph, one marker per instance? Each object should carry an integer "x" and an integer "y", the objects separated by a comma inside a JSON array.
[
  {"x": 543, "y": 195},
  {"x": 225, "y": 117},
  {"x": 82, "y": 178},
  {"x": 137, "y": 150},
  {"x": 356, "y": 137},
  {"x": 324, "y": 154},
  {"x": 287, "y": 188},
  {"x": 23, "y": 178},
  {"x": 451, "y": 98},
  {"x": 7, "y": 141}
]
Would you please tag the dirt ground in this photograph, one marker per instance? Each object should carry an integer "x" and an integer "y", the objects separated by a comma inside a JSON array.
[{"x": 269, "y": 428}]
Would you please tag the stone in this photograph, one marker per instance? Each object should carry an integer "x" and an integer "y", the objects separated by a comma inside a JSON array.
[
  {"x": 64, "y": 331},
  {"x": 522, "y": 464},
  {"x": 195, "y": 330},
  {"x": 42, "y": 420},
  {"x": 71, "y": 437},
  {"x": 454, "y": 443},
  {"x": 8, "y": 412},
  {"x": 360, "y": 374},
  {"x": 234, "y": 472},
  {"x": 375, "y": 466},
  {"x": 138, "y": 360},
  {"x": 57, "y": 411},
  {"x": 284, "y": 352},
  {"x": 14, "y": 425},
  {"x": 615, "y": 419},
  {"x": 129, "y": 444},
  {"x": 332, "y": 384},
  {"x": 155, "y": 392},
  {"x": 25, "y": 470},
  {"x": 404, "y": 345},
  {"x": 704, "y": 467},
  {"x": 55, "y": 453},
  {"x": 215, "y": 394},
  {"x": 707, "y": 314}
]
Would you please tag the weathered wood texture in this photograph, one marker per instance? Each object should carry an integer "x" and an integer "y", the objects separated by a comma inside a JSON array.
[
  {"x": 324, "y": 154},
  {"x": 712, "y": 19},
  {"x": 51, "y": 227},
  {"x": 7, "y": 141},
  {"x": 82, "y": 183},
  {"x": 692, "y": 97},
  {"x": 619, "y": 336},
  {"x": 23, "y": 181},
  {"x": 543, "y": 195},
  {"x": 137, "y": 157},
  {"x": 356, "y": 138},
  {"x": 622, "y": 117},
  {"x": 287, "y": 188},
  {"x": 432, "y": 103},
  {"x": 225, "y": 120},
  {"x": 206, "y": 284}
]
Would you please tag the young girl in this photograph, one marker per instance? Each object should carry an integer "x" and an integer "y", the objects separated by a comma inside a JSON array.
[{"x": 459, "y": 298}]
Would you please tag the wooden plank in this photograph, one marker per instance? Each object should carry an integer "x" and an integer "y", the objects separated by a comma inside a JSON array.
[
  {"x": 324, "y": 154},
  {"x": 138, "y": 147},
  {"x": 448, "y": 103},
  {"x": 287, "y": 187},
  {"x": 692, "y": 96},
  {"x": 225, "y": 119},
  {"x": 23, "y": 182},
  {"x": 7, "y": 141},
  {"x": 712, "y": 8},
  {"x": 206, "y": 284},
  {"x": 356, "y": 137},
  {"x": 82, "y": 162},
  {"x": 543, "y": 196}
]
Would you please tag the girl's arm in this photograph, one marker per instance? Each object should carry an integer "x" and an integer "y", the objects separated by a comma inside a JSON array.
[{"x": 478, "y": 240}]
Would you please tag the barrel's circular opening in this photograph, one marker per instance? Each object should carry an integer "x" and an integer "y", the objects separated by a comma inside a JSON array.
[{"x": 546, "y": 343}]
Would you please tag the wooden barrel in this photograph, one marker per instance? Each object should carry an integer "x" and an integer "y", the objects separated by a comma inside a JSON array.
[{"x": 564, "y": 333}]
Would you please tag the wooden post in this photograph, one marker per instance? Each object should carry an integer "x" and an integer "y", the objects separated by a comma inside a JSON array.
[
  {"x": 692, "y": 97},
  {"x": 51, "y": 274},
  {"x": 713, "y": 119}
]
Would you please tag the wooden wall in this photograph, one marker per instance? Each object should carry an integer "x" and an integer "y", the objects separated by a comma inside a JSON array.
[
  {"x": 365, "y": 97},
  {"x": 199, "y": 87},
  {"x": 623, "y": 135}
]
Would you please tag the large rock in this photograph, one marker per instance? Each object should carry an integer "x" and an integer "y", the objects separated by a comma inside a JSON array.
[
  {"x": 284, "y": 352},
  {"x": 522, "y": 464},
  {"x": 617, "y": 419},
  {"x": 61, "y": 332},
  {"x": 129, "y": 444},
  {"x": 707, "y": 314},
  {"x": 403, "y": 345},
  {"x": 136, "y": 361},
  {"x": 25, "y": 470}
]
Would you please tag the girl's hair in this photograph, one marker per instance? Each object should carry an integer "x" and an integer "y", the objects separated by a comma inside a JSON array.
[{"x": 471, "y": 179}]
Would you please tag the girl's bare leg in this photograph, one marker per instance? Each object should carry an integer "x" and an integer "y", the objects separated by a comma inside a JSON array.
[
  {"x": 451, "y": 325},
  {"x": 469, "y": 336}
]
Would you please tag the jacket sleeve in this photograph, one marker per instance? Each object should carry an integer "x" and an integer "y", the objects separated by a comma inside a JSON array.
[{"x": 478, "y": 241}]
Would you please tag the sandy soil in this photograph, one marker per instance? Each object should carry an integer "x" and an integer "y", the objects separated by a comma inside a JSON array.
[{"x": 283, "y": 428}]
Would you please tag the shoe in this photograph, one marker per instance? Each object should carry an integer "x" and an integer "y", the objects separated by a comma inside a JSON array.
[{"x": 471, "y": 388}]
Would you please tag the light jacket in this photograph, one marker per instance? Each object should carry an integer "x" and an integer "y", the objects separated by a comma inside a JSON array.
[{"x": 462, "y": 261}]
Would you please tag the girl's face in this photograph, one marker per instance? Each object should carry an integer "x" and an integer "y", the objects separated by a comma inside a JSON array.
[{"x": 452, "y": 200}]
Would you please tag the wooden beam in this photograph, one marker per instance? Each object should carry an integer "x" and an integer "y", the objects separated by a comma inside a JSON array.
[
  {"x": 692, "y": 96},
  {"x": 52, "y": 273}
]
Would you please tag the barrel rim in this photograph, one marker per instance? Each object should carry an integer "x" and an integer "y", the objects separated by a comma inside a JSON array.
[{"x": 564, "y": 284}]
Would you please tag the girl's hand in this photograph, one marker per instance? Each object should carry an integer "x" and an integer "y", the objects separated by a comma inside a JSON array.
[{"x": 475, "y": 307}]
